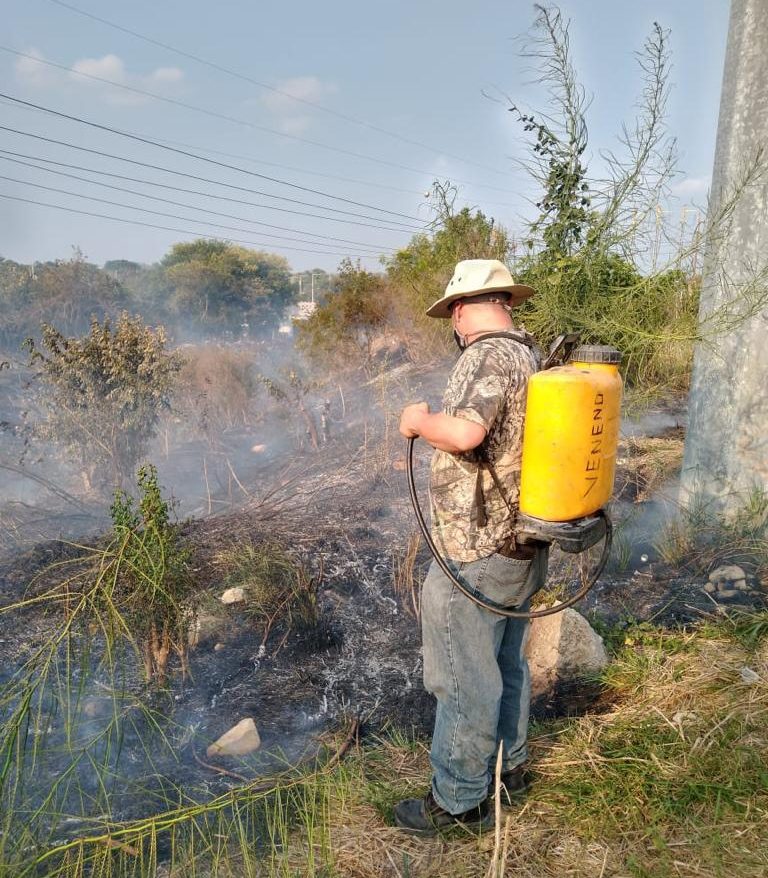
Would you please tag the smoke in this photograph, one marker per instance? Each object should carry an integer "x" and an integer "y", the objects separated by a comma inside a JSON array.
[
  {"x": 369, "y": 660},
  {"x": 224, "y": 443},
  {"x": 640, "y": 526}
]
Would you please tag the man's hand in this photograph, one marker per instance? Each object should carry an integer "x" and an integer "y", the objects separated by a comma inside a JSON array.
[{"x": 411, "y": 418}]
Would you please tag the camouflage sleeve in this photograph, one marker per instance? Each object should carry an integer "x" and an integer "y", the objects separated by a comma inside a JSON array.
[{"x": 480, "y": 383}]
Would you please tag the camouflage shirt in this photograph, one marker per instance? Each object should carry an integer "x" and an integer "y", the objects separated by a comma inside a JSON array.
[{"x": 487, "y": 386}]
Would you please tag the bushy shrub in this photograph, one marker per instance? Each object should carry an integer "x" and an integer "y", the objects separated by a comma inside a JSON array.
[
  {"x": 591, "y": 251},
  {"x": 651, "y": 319},
  {"x": 103, "y": 393},
  {"x": 419, "y": 273},
  {"x": 363, "y": 306},
  {"x": 153, "y": 582},
  {"x": 341, "y": 332}
]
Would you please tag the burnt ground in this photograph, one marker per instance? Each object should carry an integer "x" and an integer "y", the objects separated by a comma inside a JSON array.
[{"x": 344, "y": 514}]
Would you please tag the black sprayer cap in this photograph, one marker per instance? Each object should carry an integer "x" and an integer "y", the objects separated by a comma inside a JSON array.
[{"x": 596, "y": 353}]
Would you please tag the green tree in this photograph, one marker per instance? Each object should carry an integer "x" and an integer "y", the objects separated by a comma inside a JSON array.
[
  {"x": 123, "y": 270},
  {"x": 217, "y": 286},
  {"x": 341, "y": 331},
  {"x": 102, "y": 394},
  {"x": 419, "y": 272},
  {"x": 74, "y": 289},
  {"x": 15, "y": 281}
]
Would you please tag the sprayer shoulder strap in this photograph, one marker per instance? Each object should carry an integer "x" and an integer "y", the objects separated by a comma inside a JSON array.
[
  {"x": 483, "y": 462},
  {"x": 520, "y": 338}
]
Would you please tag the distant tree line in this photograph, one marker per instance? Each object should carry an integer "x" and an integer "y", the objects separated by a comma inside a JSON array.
[{"x": 203, "y": 288}]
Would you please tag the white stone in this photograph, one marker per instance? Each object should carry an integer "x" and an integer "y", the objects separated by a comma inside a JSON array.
[
  {"x": 727, "y": 573},
  {"x": 749, "y": 676},
  {"x": 234, "y": 595},
  {"x": 561, "y": 647},
  {"x": 238, "y": 741}
]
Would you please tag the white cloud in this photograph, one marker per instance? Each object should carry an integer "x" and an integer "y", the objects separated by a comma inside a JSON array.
[
  {"x": 28, "y": 71},
  {"x": 108, "y": 67},
  {"x": 167, "y": 74},
  {"x": 691, "y": 187},
  {"x": 292, "y": 115},
  {"x": 32, "y": 72},
  {"x": 307, "y": 88}
]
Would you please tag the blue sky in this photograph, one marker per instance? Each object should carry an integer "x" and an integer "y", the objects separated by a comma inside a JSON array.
[{"x": 416, "y": 68}]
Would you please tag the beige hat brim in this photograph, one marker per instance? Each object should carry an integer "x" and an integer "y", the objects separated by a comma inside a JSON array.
[{"x": 518, "y": 292}]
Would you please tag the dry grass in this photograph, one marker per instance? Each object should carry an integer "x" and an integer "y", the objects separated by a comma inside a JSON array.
[
  {"x": 647, "y": 463},
  {"x": 672, "y": 782},
  {"x": 216, "y": 390},
  {"x": 701, "y": 540},
  {"x": 404, "y": 580},
  {"x": 278, "y": 588}
]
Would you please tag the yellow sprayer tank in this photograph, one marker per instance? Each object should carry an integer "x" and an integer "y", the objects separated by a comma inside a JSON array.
[{"x": 571, "y": 436}]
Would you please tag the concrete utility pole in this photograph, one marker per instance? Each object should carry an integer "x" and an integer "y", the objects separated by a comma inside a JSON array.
[{"x": 726, "y": 449}]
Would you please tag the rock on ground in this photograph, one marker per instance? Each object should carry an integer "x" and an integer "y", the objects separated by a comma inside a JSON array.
[
  {"x": 726, "y": 581},
  {"x": 238, "y": 741},
  {"x": 563, "y": 647},
  {"x": 233, "y": 595},
  {"x": 728, "y": 573}
]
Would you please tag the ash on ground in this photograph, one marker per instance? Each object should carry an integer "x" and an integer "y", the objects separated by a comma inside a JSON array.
[{"x": 343, "y": 513}]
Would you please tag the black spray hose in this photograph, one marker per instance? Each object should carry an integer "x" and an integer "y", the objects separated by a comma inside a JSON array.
[{"x": 478, "y": 597}]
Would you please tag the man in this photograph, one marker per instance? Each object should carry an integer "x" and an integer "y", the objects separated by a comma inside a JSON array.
[{"x": 474, "y": 661}]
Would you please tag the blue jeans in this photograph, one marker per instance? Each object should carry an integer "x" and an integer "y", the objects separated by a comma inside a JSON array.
[{"x": 474, "y": 664}]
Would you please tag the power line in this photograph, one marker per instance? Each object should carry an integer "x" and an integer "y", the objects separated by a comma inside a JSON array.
[
  {"x": 220, "y": 183},
  {"x": 170, "y": 228},
  {"x": 6, "y": 155},
  {"x": 261, "y": 161},
  {"x": 229, "y": 167},
  {"x": 315, "y": 173},
  {"x": 21, "y": 155},
  {"x": 194, "y": 207},
  {"x": 147, "y": 209},
  {"x": 213, "y": 113},
  {"x": 312, "y": 173},
  {"x": 221, "y": 69}
]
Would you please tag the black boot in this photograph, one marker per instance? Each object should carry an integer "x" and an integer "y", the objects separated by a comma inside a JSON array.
[
  {"x": 513, "y": 784},
  {"x": 425, "y": 817}
]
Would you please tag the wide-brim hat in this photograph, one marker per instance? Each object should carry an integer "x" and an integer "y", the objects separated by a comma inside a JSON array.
[{"x": 475, "y": 277}]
